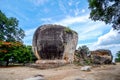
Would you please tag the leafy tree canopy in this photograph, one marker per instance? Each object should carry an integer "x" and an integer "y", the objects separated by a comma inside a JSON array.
[
  {"x": 15, "y": 52},
  {"x": 83, "y": 51},
  {"x": 107, "y": 11},
  {"x": 9, "y": 30},
  {"x": 81, "y": 56}
]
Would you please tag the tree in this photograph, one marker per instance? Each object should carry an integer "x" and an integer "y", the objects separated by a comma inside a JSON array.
[
  {"x": 118, "y": 57},
  {"x": 25, "y": 55},
  {"x": 81, "y": 55},
  {"x": 10, "y": 38},
  {"x": 33, "y": 57},
  {"x": 9, "y": 30},
  {"x": 9, "y": 50},
  {"x": 15, "y": 52},
  {"x": 83, "y": 51},
  {"x": 107, "y": 11}
]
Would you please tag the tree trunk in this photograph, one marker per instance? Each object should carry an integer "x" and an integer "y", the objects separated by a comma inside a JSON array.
[{"x": 7, "y": 62}]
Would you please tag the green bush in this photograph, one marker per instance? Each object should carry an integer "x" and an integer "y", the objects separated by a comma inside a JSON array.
[
  {"x": 15, "y": 52},
  {"x": 68, "y": 30},
  {"x": 81, "y": 56}
]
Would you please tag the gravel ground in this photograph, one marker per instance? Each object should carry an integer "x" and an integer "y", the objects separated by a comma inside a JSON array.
[{"x": 68, "y": 72}]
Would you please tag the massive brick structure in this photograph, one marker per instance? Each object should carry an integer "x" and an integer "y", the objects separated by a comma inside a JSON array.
[
  {"x": 54, "y": 42},
  {"x": 101, "y": 56}
]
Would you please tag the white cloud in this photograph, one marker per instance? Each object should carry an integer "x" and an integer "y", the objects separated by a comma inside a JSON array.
[
  {"x": 90, "y": 35},
  {"x": 89, "y": 31},
  {"x": 110, "y": 40},
  {"x": 72, "y": 20},
  {"x": 113, "y": 37}
]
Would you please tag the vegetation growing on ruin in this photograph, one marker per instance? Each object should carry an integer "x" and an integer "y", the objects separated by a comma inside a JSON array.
[{"x": 68, "y": 30}]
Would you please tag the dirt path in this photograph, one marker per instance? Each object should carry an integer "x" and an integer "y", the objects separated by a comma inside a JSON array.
[{"x": 68, "y": 72}]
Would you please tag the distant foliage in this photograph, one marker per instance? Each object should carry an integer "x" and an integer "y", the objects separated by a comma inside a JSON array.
[
  {"x": 82, "y": 56},
  {"x": 83, "y": 50},
  {"x": 9, "y": 50},
  {"x": 118, "y": 57},
  {"x": 15, "y": 52}
]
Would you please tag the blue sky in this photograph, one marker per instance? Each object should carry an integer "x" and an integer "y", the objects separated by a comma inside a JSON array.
[{"x": 73, "y": 13}]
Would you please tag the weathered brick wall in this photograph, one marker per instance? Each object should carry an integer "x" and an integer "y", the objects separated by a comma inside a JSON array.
[{"x": 53, "y": 42}]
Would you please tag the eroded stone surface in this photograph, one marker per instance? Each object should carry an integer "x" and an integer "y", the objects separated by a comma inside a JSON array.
[
  {"x": 101, "y": 56},
  {"x": 52, "y": 42}
]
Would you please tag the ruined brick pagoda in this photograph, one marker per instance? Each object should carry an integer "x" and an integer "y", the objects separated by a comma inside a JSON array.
[{"x": 54, "y": 43}]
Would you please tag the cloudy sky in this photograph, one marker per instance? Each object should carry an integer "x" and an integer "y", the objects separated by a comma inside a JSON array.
[{"x": 72, "y": 13}]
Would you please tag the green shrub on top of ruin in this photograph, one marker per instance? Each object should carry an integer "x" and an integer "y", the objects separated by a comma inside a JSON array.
[{"x": 68, "y": 30}]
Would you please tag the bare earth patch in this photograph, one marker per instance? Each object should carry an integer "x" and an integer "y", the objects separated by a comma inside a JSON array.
[{"x": 68, "y": 72}]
